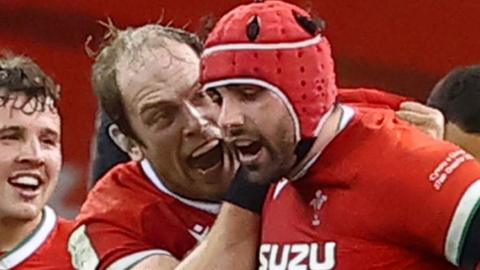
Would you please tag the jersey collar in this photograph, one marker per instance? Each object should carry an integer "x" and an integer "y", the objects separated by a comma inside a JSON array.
[
  {"x": 347, "y": 115},
  {"x": 32, "y": 243},
  {"x": 209, "y": 207}
]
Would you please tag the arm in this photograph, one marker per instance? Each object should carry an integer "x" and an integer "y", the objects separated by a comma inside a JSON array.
[
  {"x": 427, "y": 119},
  {"x": 232, "y": 243},
  {"x": 372, "y": 98},
  {"x": 101, "y": 246},
  {"x": 156, "y": 262},
  {"x": 435, "y": 204}
]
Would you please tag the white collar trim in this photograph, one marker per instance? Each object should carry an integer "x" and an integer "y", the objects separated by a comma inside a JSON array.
[
  {"x": 347, "y": 116},
  {"x": 213, "y": 208},
  {"x": 33, "y": 242}
]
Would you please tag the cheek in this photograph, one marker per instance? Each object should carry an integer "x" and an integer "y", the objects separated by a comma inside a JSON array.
[
  {"x": 7, "y": 157},
  {"x": 54, "y": 162},
  {"x": 277, "y": 121},
  {"x": 209, "y": 109},
  {"x": 5, "y": 169},
  {"x": 165, "y": 143}
]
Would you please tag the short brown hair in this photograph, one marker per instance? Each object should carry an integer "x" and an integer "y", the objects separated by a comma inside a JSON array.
[
  {"x": 127, "y": 42},
  {"x": 20, "y": 74}
]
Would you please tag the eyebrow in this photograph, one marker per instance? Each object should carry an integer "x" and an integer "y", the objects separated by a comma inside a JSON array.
[
  {"x": 154, "y": 105},
  {"x": 44, "y": 131},
  {"x": 11, "y": 128}
]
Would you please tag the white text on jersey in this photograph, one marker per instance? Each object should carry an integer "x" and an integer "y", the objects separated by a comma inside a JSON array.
[{"x": 299, "y": 256}]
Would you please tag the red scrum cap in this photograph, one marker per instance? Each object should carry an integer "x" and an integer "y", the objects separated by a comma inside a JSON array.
[{"x": 277, "y": 46}]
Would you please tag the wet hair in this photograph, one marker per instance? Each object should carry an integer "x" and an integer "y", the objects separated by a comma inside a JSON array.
[
  {"x": 20, "y": 74},
  {"x": 457, "y": 96},
  {"x": 127, "y": 43}
]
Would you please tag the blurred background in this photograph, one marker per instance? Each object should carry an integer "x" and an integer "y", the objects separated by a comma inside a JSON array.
[{"x": 403, "y": 46}]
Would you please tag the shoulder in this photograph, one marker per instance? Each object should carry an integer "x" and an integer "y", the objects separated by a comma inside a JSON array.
[
  {"x": 373, "y": 98},
  {"x": 121, "y": 195}
]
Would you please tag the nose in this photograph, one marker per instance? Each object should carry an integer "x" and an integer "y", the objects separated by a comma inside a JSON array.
[
  {"x": 30, "y": 152},
  {"x": 198, "y": 123},
  {"x": 231, "y": 117}
]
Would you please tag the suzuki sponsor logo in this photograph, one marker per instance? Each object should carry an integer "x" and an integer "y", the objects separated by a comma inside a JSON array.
[{"x": 299, "y": 256}]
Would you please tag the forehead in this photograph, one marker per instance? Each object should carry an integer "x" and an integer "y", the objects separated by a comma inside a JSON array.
[
  {"x": 11, "y": 116},
  {"x": 166, "y": 69}
]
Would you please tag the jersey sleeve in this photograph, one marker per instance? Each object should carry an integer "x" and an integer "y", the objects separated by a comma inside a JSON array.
[
  {"x": 100, "y": 245},
  {"x": 372, "y": 98},
  {"x": 430, "y": 198}
]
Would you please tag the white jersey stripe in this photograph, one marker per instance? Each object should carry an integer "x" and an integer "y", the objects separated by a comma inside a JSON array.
[
  {"x": 459, "y": 226},
  {"x": 209, "y": 207},
  {"x": 131, "y": 260},
  {"x": 31, "y": 244}
]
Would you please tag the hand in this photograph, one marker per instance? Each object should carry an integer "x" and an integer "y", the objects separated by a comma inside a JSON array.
[{"x": 427, "y": 119}]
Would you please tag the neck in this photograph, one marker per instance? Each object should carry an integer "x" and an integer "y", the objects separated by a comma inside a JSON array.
[
  {"x": 327, "y": 133},
  {"x": 14, "y": 231}
]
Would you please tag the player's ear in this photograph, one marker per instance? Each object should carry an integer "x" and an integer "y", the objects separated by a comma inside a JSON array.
[
  {"x": 126, "y": 144},
  {"x": 134, "y": 150}
]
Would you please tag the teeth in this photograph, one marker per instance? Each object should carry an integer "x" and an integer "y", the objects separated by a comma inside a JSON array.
[
  {"x": 205, "y": 148},
  {"x": 26, "y": 180},
  {"x": 243, "y": 143}
]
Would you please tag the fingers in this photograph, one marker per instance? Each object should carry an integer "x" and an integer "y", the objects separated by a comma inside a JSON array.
[
  {"x": 414, "y": 117},
  {"x": 429, "y": 120},
  {"x": 418, "y": 107}
]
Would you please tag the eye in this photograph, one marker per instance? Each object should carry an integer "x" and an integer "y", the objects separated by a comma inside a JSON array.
[
  {"x": 10, "y": 137},
  {"x": 160, "y": 117},
  {"x": 199, "y": 98},
  {"x": 48, "y": 138},
  {"x": 49, "y": 141},
  {"x": 249, "y": 93},
  {"x": 214, "y": 95}
]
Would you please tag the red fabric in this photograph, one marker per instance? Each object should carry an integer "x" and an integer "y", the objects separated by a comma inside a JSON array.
[
  {"x": 125, "y": 213},
  {"x": 371, "y": 98},
  {"x": 384, "y": 206},
  {"x": 53, "y": 253},
  {"x": 305, "y": 75}
]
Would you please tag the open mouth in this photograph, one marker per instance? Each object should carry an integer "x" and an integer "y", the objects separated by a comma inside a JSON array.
[
  {"x": 206, "y": 156},
  {"x": 248, "y": 150},
  {"x": 27, "y": 184}
]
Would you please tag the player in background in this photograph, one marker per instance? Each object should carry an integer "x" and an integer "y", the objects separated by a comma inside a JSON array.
[
  {"x": 31, "y": 235},
  {"x": 457, "y": 96},
  {"x": 149, "y": 213},
  {"x": 105, "y": 154},
  {"x": 452, "y": 107}
]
